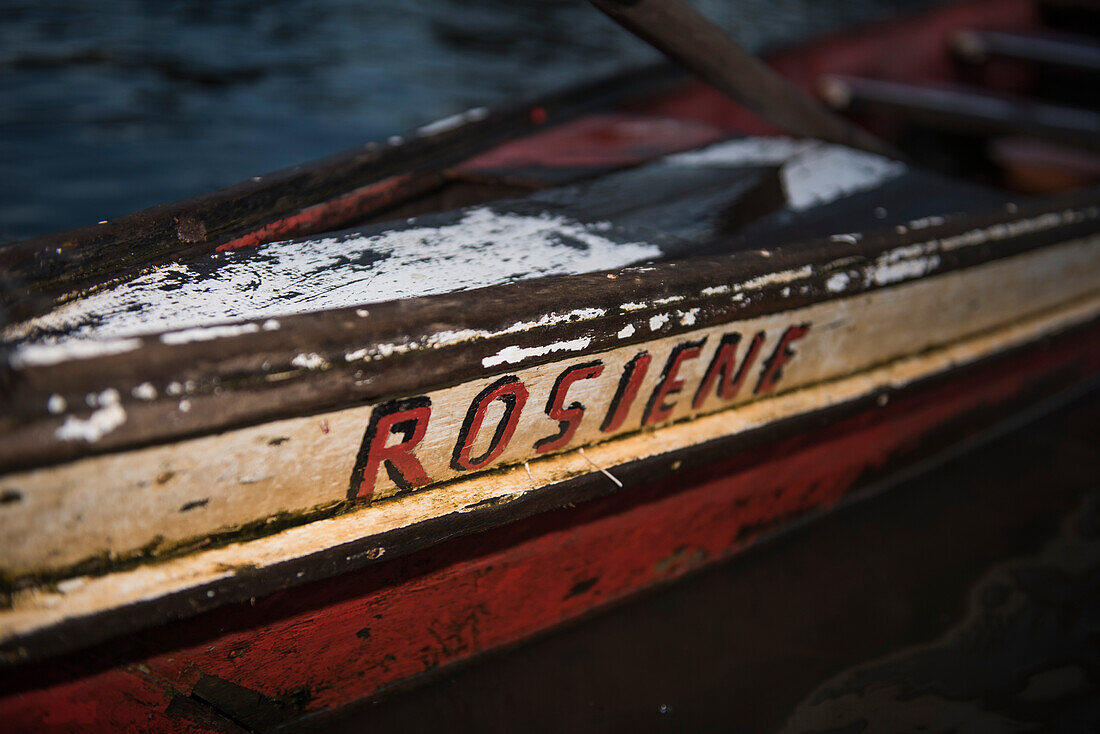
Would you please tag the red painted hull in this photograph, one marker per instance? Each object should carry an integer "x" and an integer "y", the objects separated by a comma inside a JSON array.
[{"x": 332, "y": 642}]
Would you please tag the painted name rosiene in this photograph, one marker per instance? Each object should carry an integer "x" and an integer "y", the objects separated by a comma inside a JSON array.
[{"x": 414, "y": 441}]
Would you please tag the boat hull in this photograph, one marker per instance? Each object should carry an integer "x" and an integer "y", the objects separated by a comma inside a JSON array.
[{"x": 331, "y": 642}]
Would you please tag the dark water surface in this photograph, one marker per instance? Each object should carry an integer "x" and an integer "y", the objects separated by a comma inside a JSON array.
[{"x": 112, "y": 106}]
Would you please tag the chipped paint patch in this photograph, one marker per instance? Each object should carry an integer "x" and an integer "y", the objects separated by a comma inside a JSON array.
[
  {"x": 109, "y": 416},
  {"x": 56, "y": 404},
  {"x": 656, "y": 322},
  {"x": 453, "y": 122},
  {"x": 626, "y": 332},
  {"x": 778, "y": 278},
  {"x": 751, "y": 151},
  {"x": 451, "y": 337},
  {"x": 514, "y": 354},
  {"x": 208, "y": 333},
  {"x": 309, "y": 361},
  {"x": 687, "y": 318},
  {"x": 837, "y": 283},
  {"x": 811, "y": 173},
  {"x": 895, "y": 272},
  {"x": 285, "y": 278},
  {"x": 41, "y": 355},
  {"x": 144, "y": 391},
  {"x": 926, "y": 222},
  {"x": 827, "y": 173}
]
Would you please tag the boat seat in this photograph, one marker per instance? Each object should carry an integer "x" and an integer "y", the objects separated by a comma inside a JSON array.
[
  {"x": 1062, "y": 51},
  {"x": 963, "y": 109}
]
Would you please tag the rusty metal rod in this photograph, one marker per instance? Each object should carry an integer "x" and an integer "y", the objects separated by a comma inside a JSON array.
[{"x": 679, "y": 31}]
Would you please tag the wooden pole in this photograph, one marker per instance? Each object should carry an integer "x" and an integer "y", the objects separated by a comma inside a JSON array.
[{"x": 687, "y": 37}]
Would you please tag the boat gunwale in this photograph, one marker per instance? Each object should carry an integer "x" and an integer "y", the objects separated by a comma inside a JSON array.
[{"x": 250, "y": 378}]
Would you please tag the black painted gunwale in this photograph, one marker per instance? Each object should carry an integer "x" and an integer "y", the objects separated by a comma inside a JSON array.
[{"x": 229, "y": 373}]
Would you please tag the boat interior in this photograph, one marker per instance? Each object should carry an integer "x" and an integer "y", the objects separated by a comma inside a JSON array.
[{"x": 988, "y": 105}]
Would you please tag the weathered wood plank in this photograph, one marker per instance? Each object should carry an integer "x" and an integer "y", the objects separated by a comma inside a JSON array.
[
  {"x": 252, "y": 374},
  {"x": 622, "y": 219},
  {"x": 511, "y": 413}
]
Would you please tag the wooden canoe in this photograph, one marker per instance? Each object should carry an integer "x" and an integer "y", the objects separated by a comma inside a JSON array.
[{"x": 292, "y": 444}]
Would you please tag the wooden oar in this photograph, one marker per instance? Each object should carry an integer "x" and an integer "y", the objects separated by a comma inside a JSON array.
[{"x": 680, "y": 32}]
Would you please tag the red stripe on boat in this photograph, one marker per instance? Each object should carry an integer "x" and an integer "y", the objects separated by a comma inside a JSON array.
[{"x": 337, "y": 212}]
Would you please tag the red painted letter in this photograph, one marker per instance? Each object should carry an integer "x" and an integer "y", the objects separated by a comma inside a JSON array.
[
  {"x": 722, "y": 367},
  {"x": 408, "y": 416},
  {"x": 773, "y": 365},
  {"x": 513, "y": 394},
  {"x": 629, "y": 384},
  {"x": 669, "y": 384},
  {"x": 569, "y": 419}
]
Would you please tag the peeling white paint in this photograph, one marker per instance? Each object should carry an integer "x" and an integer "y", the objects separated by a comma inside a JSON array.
[
  {"x": 812, "y": 173},
  {"x": 715, "y": 290},
  {"x": 208, "y": 333},
  {"x": 627, "y": 331},
  {"x": 454, "y": 121},
  {"x": 687, "y": 318},
  {"x": 102, "y": 421},
  {"x": 309, "y": 361},
  {"x": 144, "y": 391},
  {"x": 656, "y": 322},
  {"x": 56, "y": 404},
  {"x": 751, "y": 151},
  {"x": 778, "y": 278},
  {"x": 888, "y": 272},
  {"x": 515, "y": 354},
  {"x": 925, "y": 222},
  {"x": 451, "y": 337},
  {"x": 828, "y": 173},
  {"x": 287, "y": 278},
  {"x": 631, "y": 306},
  {"x": 837, "y": 283},
  {"x": 41, "y": 355}
]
